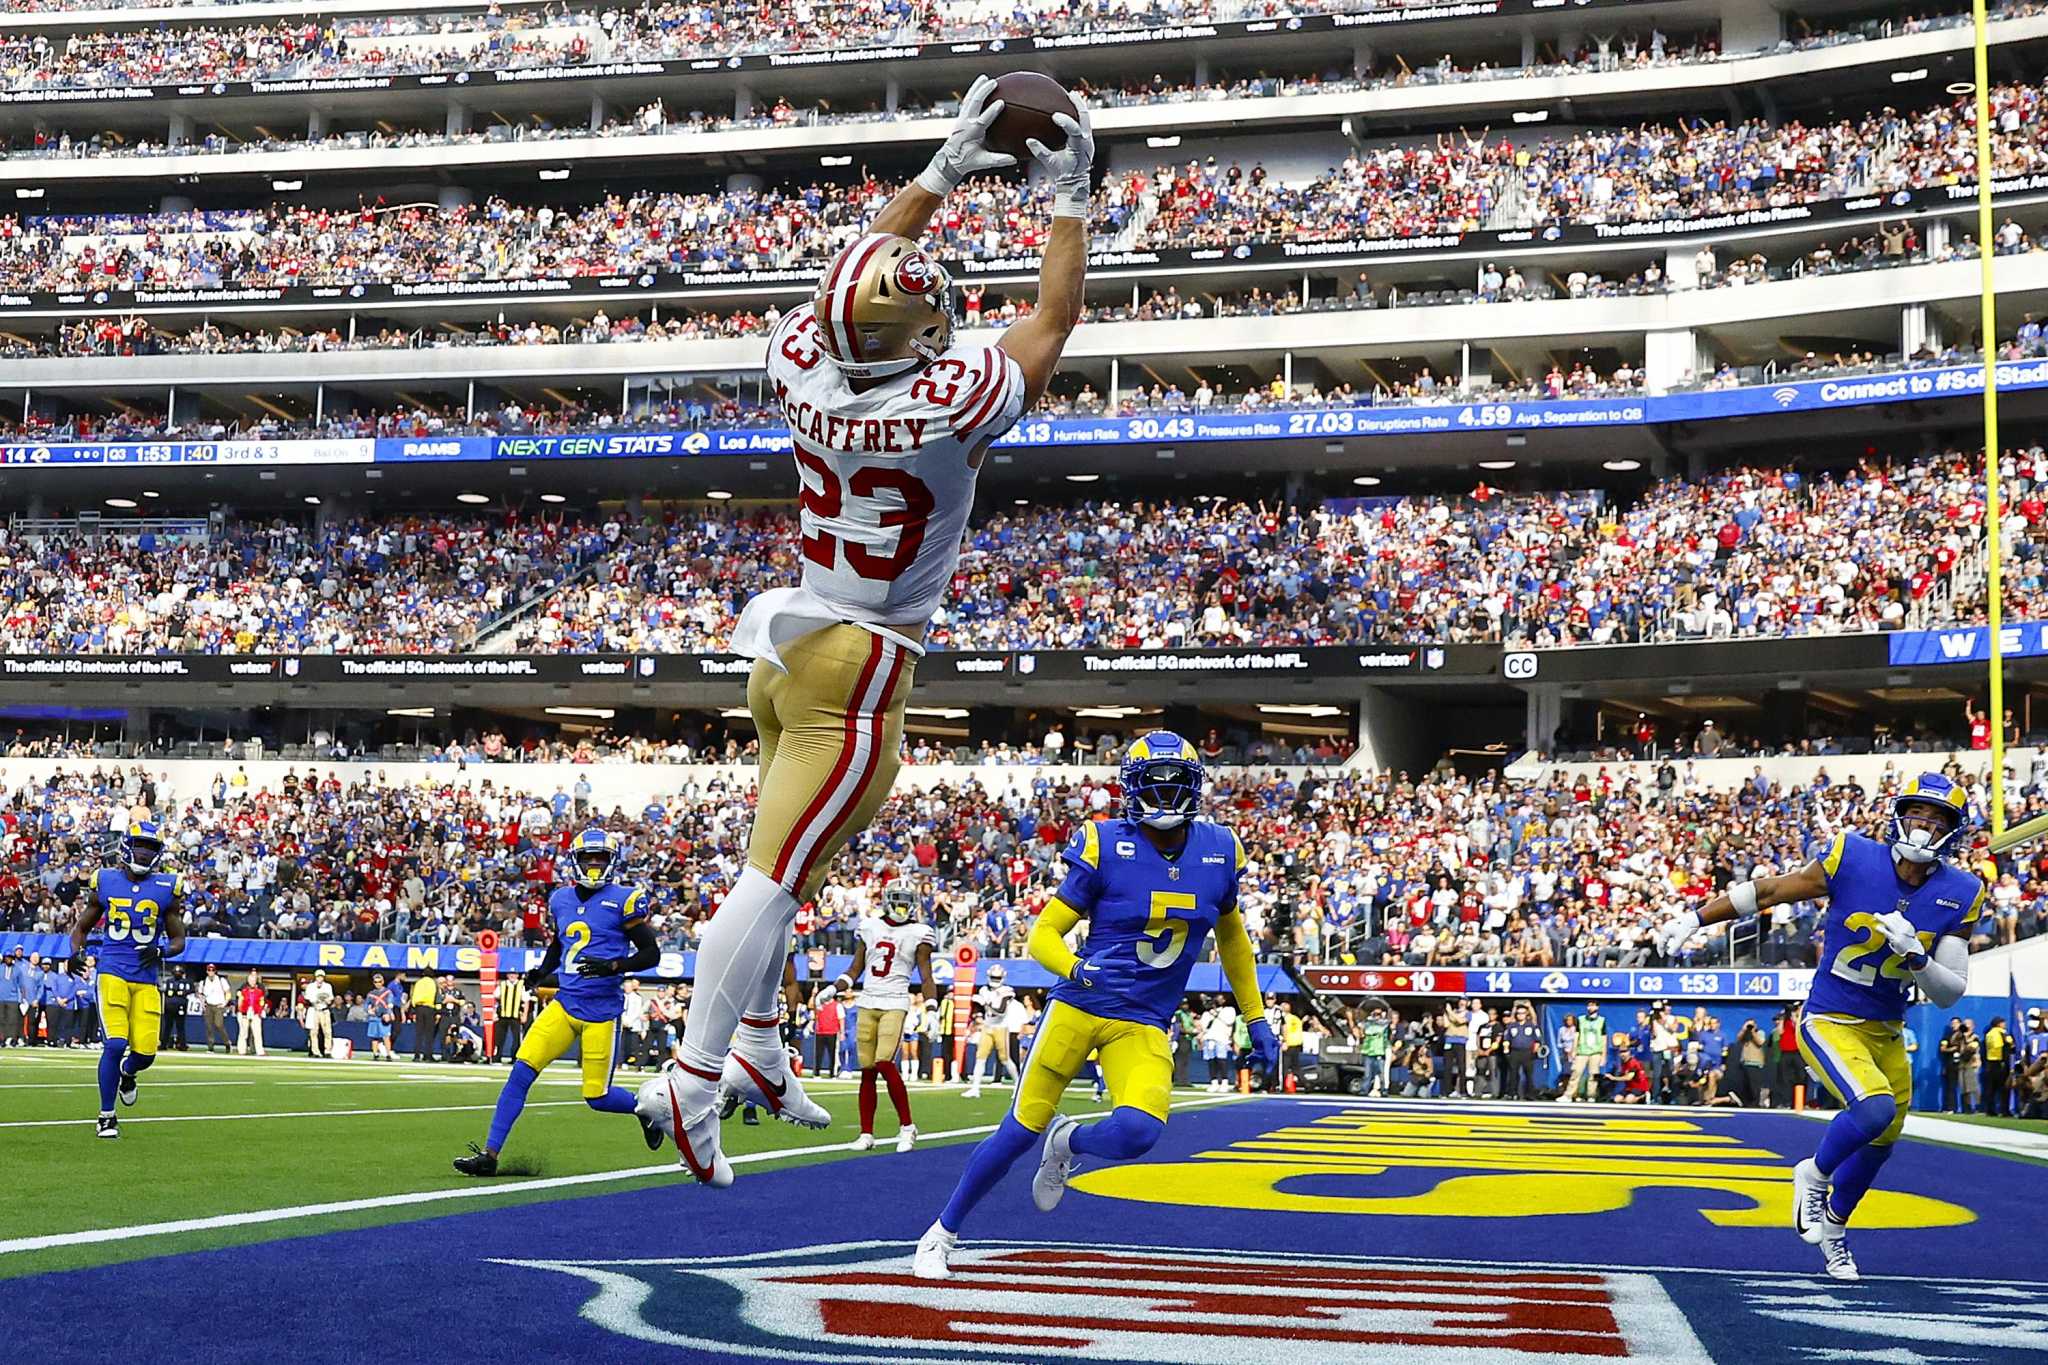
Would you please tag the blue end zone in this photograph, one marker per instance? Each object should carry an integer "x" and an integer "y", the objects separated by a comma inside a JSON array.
[{"x": 1254, "y": 1232}]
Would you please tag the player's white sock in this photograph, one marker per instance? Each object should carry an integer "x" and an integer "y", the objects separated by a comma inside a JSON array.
[{"x": 748, "y": 936}]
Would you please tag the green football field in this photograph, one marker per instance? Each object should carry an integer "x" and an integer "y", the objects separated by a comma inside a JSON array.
[{"x": 217, "y": 1136}]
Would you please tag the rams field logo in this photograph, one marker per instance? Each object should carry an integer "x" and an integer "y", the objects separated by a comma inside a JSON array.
[
  {"x": 915, "y": 274},
  {"x": 1031, "y": 1302}
]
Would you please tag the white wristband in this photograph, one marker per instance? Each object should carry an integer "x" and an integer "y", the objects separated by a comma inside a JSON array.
[{"x": 1742, "y": 896}]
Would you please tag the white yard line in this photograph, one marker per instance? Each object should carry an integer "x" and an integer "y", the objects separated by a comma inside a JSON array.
[
  {"x": 252, "y": 1217},
  {"x": 74, "y": 1085},
  {"x": 288, "y": 1114}
]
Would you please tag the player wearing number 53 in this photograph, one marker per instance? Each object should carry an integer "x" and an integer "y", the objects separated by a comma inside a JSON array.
[
  {"x": 143, "y": 910},
  {"x": 890, "y": 415},
  {"x": 601, "y": 935},
  {"x": 1898, "y": 915},
  {"x": 1151, "y": 886}
]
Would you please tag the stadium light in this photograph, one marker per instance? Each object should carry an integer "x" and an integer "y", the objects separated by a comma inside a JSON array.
[
  {"x": 1918, "y": 73},
  {"x": 415, "y": 712},
  {"x": 588, "y": 712},
  {"x": 938, "y": 712},
  {"x": 473, "y": 499},
  {"x": 1156, "y": 143},
  {"x": 1496, "y": 464},
  {"x": 1367, "y": 481},
  {"x": 26, "y": 193},
  {"x": 562, "y": 174},
  {"x": 125, "y": 504},
  {"x": 1961, "y": 88},
  {"x": 287, "y": 186},
  {"x": 312, "y": 499},
  {"x": 1313, "y": 710},
  {"x": 1623, "y": 466},
  {"x": 835, "y": 161},
  {"x": 719, "y": 495},
  {"x": 151, "y": 493},
  {"x": 1532, "y": 116},
  {"x": 1082, "y": 478},
  {"x": 553, "y": 499}
]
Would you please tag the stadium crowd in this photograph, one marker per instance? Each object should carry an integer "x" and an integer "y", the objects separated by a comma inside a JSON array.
[
  {"x": 1455, "y": 184},
  {"x": 399, "y": 585},
  {"x": 1747, "y": 552},
  {"x": 1348, "y": 867}
]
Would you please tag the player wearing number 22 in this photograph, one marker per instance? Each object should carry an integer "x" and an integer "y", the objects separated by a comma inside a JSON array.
[
  {"x": 143, "y": 910},
  {"x": 1898, "y": 915},
  {"x": 1152, "y": 886},
  {"x": 890, "y": 418},
  {"x": 601, "y": 935}
]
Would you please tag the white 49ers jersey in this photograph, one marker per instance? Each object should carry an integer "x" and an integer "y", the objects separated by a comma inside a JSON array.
[
  {"x": 892, "y": 956},
  {"x": 888, "y": 474}
]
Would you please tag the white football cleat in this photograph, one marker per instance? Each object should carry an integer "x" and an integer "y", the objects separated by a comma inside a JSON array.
[
  {"x": 972, "y": 1092},
  {"x": 933, "y": 1251},
  {"x": 1809, "y": 1201},
  {"x": 906, "y": 1137},
  {"x": 1055, "y": 1161},
  {"x": 662, "y": 1105},
  {"x": 864, "y": 1143},
  {"x": 1834, "y": 1246},
  {"x": 769, "y": 1083}
]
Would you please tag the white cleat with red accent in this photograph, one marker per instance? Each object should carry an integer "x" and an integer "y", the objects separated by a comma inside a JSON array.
[
  {"x": 668, "y": 1102},
  {"x": 768, "y": 1082}
]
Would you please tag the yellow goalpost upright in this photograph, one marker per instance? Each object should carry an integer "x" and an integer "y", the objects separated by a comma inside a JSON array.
[{"x": 1988, "y": 326}]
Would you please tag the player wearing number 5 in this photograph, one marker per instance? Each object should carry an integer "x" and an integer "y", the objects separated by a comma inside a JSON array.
[
  {"x": 890, "y": 416},
  {"x": 143, "y": 913},
  {"x": 1152, "y": 886},
  {"x": 1897, "y": 916},
  {"x": 601, "y": 935}
]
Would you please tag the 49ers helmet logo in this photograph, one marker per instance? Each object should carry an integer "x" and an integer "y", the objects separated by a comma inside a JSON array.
[{"x": 915, "y": 274}]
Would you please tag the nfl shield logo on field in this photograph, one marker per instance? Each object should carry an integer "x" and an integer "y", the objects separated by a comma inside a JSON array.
[{"x": 1012, "y": 1303}]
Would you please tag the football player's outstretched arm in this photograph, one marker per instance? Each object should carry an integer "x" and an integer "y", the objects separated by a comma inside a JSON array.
[
  {"x": 965, "y": 153},
  {"x": 1745, "y": 899},
  {"x": 1036, "y": 342}
]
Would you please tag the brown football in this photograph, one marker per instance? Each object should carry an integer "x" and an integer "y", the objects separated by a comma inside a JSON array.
[{"x": 1029, "y": 102}]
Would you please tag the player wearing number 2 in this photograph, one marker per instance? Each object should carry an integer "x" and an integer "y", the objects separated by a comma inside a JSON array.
[
  {"x": 1897, "y": 915},
  {"x": 601, "y": 936},
  {"x": 890, "y": 417},
  {"x": 144, "y": 914},
  {"x": 1151, "y": 885}
]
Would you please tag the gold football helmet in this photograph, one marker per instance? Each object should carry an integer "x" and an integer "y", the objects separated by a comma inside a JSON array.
[{"x": 883, "y": 307}]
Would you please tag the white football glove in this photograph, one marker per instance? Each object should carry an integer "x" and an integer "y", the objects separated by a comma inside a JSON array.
[
  {"x": 966, "y": 151},
  {"x": 1674, "y": 934},
  {"x": 1069, "y": 167},
  {"x": 1904, "y": 939}
]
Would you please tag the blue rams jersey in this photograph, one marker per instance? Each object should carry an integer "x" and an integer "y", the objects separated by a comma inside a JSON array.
[
  {"x": 594, "y": 925},
  {"x": 1857, "y": 974},
  {"x": 132, "y": 914},
  {"x": 1159, "y": 909}
]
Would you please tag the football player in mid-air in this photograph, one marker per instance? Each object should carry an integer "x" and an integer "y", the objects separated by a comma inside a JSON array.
[
  {"x": 1898, "y": 916},
  {"x": 891, "y": 943},
  {"x": 890, "y": 417},
  {"x": 143, "y": 909},
  {"x": 601, "y": 936},
  {"x": 1152, "y": 886}
]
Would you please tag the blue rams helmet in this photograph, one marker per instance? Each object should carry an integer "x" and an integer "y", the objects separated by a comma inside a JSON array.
[
  {"x": 142, "y": 847},
  {"x": 1162, "y": 780},
  {"x": 593, "y": 856},
  {"x": 1925, "y": 795}
]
